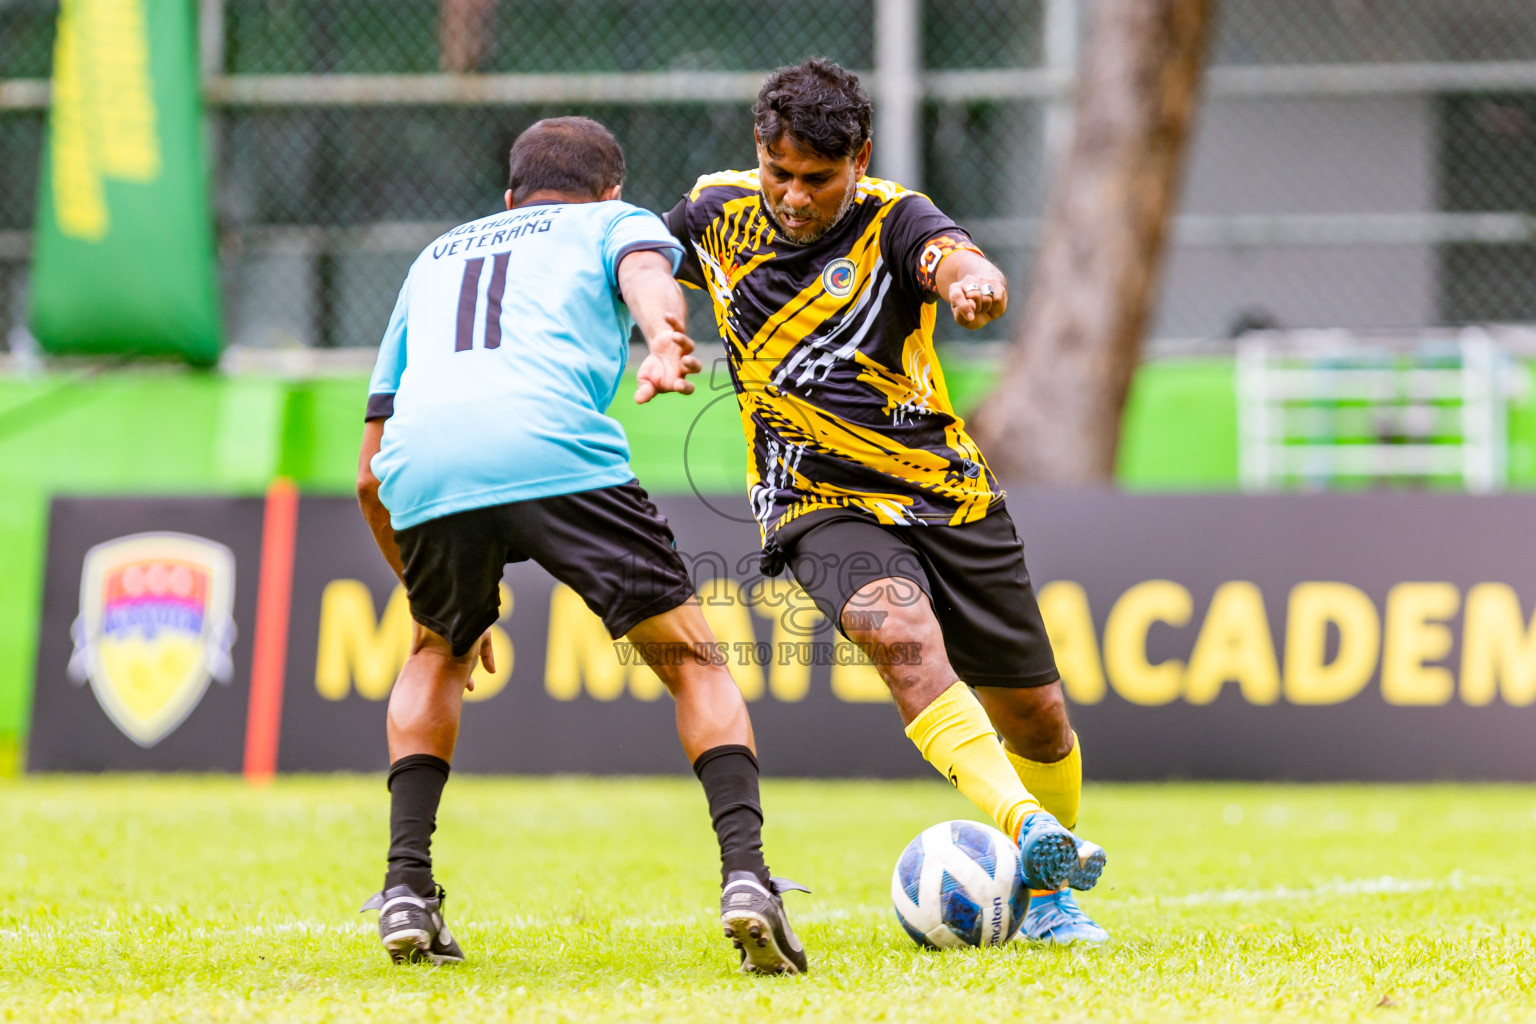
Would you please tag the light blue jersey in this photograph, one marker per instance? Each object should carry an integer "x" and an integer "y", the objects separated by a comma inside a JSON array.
[{"x": 502, "y": 356}]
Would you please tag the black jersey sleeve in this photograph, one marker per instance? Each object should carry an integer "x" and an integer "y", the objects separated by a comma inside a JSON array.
[
  {"x": 908, "y": 228},
  {"x": 688, "y": 269}
]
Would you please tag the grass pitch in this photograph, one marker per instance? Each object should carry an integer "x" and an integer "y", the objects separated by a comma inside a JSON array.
[{"x": 185, "y": 898}]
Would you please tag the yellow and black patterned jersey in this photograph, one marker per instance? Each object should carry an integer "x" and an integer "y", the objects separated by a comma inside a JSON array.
[{"x": 831, "y": 352}]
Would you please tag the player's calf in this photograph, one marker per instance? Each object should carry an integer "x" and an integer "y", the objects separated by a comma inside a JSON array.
[
  {"x": 751, "y": 907},
  {"x": 716, "y": 733}
]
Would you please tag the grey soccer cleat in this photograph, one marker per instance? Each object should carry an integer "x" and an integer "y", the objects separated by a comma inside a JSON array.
[
  {"x": 412, "y": 928},
  {"x": 753, "y": 918}
]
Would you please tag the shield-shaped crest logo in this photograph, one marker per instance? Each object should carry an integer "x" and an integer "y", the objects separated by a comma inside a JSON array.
[
  {"x": 155, "y": 625},
  {"x": 839, "y": 277}
]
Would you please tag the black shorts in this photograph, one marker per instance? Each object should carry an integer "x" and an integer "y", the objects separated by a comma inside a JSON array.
[
  {"x": 974, "y": 577},
  {"x": 610, "y": 545}
]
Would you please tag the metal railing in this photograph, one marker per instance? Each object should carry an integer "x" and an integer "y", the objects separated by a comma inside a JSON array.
[
  {"x": 1321, "y": 408},
  {"x": 1413, "y": 214}
]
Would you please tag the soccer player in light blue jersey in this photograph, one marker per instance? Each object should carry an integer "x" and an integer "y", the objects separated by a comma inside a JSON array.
[{"x": 487, "y": 442}]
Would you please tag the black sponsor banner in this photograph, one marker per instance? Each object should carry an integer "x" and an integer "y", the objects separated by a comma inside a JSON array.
[
  {"x": 1380, "y": 636},
  {"x": 1371, "y": 636},
  {"x": 147, "y": 606}
]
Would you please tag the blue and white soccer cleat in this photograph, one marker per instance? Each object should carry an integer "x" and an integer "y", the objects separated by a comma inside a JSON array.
[
  {"x": 411, "y": 927},
  {"x": 1056, "y": 918},
  {"x": 1049, "y": 852},
  {"x": 1090, "y": 864},
  {"x": 1055, "y": 858}
]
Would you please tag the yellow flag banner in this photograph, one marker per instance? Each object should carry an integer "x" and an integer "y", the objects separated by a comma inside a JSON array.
[{"x": 124, "y": 260}]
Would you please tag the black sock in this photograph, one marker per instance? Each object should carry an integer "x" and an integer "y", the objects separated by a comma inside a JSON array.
[
  {"x": 729, "y": 775},
  {"x": 415, "y": 787}
]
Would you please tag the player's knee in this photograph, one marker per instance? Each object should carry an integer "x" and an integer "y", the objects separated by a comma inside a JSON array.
[
  {"x": 702, "y": 683},
  {"x": 1046, "y": 738},
  {"x": 889, "y": 611},
  {"x": 1033, "y": 720}
]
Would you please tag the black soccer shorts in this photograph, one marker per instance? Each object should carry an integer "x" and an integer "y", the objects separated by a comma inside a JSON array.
[
  {"x": 610, "y": 545},
  {"x": 973, "y": 575}
]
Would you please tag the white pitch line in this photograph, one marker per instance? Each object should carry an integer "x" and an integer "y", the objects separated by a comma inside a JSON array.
[{"x": 1385, "y": 885}]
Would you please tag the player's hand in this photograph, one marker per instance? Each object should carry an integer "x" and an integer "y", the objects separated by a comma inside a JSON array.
[
  {"x": 669, "y": 364},
  {"x": 487, "y": 659},
  {"x": 978, "y": 299}
]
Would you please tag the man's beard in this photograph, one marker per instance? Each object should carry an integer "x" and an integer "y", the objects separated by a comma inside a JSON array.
[{"x": 815, "y": 233}]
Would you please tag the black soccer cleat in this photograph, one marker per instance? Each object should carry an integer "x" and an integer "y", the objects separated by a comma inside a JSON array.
[
  {"x": 412, "y": 928},
  {"x": 753, "y": 918}
]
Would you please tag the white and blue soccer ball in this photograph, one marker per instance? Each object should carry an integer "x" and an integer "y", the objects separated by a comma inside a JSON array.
[{"x": 960, "y": 883}]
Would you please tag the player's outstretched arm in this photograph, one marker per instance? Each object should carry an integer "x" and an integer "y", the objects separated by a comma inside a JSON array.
[
  {"x": 660, "y": 311},
  {"x": 976, "y": 290}
]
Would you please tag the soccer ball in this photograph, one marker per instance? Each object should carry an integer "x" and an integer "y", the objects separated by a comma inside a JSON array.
[{"x": 960, "y": 883}]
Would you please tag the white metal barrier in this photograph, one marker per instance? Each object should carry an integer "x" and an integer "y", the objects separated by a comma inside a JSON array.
[{"x": 1317, "y": 407}]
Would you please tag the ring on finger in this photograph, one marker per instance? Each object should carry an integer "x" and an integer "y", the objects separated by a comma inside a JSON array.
[{"x": 986, "y": 289}]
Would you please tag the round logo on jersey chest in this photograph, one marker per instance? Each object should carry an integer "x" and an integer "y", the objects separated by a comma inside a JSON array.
[{"x": 838, "y": 277}]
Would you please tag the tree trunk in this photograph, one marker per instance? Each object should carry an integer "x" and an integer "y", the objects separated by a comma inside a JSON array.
[
  {"x": 464, "y": 33},
  {"x": 1055, "y": 417}
]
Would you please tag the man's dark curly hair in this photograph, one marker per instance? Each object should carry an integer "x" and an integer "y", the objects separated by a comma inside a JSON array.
[{"x": 818, "y": 103}]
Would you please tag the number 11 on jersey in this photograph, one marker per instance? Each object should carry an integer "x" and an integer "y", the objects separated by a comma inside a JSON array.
[{"x": 469, "y": 301}]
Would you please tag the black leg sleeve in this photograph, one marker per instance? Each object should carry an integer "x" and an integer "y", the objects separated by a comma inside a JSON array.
[
  {"x": 729, "y": 776},
  {"x": 415, "y": 788}
]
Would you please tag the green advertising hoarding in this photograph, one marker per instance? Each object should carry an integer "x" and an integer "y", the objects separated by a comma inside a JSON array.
[{"x": 124, "y": 261}]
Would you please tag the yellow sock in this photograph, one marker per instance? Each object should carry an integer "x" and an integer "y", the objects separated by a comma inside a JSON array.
[
  {"x": 956, "y": 737},
  {"x": 1057, "y": 785}
]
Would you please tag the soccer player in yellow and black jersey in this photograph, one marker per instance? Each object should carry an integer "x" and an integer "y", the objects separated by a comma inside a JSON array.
[{"x": 863, "y": 480}]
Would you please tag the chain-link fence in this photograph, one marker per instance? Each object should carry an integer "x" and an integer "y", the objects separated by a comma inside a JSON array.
[{"x": 1359, "y": 163}]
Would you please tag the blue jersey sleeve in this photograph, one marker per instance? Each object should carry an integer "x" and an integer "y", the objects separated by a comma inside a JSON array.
[
  {"x": 390, "y": 364},
  {"x": 636, "y": 230}
]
